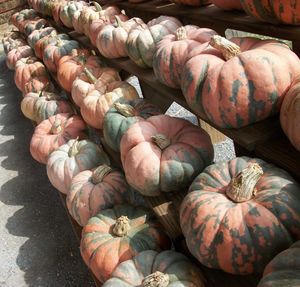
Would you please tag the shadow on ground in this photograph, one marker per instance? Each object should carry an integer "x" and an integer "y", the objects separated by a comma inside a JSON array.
[{"x": 50, "y": 256}]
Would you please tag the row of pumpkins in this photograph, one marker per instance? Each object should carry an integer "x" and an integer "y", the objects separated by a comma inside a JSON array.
[{"x": 236, "y": 217}]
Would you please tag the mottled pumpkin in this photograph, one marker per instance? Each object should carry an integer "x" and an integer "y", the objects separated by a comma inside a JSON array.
[
  {"x": 284, "y": 269},
  {"x": 228, "y": 4},
  {"x": 239, "y": 82},
  {"x": 16, "y": 54},
  {"x": 68, "y": 10},
  {"x": 175, "y": 49},
  {"x": 53, "y": 132},
  {"x": 39, "y": 34},
  {"x": 151, "y": 268},
  {"x": 18, "y": 18},
  {"x": 95, "y": 105},
  {"x": 29, "y": 26},
  {"x": 12, "y": 40},
  {"x": 119, "y": 234},
  {"x": 164, "y": 154},
  {"x": 122, "y": 116},
  {"x": 56, "y": 11},
  {"x": 142, "y": 40},
  {"x": 38, "y": 84},
  {"x": 197, "y": 3},
  {"x": 239, "y": 214}
]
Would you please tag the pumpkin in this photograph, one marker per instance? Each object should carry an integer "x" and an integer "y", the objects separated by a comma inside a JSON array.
[
  {"x": 40, "y": 106},
  {"x": 68, "y": 10},
  {"x": 16, "y": 54},
  {"x": 164, "y": 154},
  {"x": 26, "y": 69},
  {"x": 192, "y": 2},
  {"x": 239, "y": 214},
  {"x": 228, "y": 4},
  {"x": 55, "y": 51},
  {"x": 232, "y": 93},
  {"x": 33, "y": 25},
  {"x": 20, "y": 17},
  {"x": 72, "y": 158},
  {"x": 142, "y": 40},
  {"x": 57, "y": 10},
  {"x": 94, "y": 190},
  {"x": 12, "y": 40},
  {"x": 93, "y": 79},
  {"x": 284, "y": 269},
  {"x": 119, "y": 234},
  {"x": 111, "y": 40},
  {"x": 96, "y": 25},
  {"x": 122, "y": 116},
  {"x": 173, "y": 51},
  {"x": 151, "y": 268},
  {"x": 290, "y": 113},
  {"x": 39, "y": 34},
  {"x": 53, "y": 132},
  {"x": 70, "y": 66},
  {"x": 276, "y": 11},
  {"x": 38, "y": 84},
  {"x": 95, "y": 105}
]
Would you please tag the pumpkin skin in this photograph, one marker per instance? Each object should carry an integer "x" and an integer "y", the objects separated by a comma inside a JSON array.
[
  {"x": 20, "y": 17},
  {"x": 96, "y": 104},
  {"x": 284, "y": 269},
  {"x": 38, "y": 84},
  {"x": 228, "y": 4},
  {"x": 33, "y": 25},
  {"x": 152, "y": 167},
  {"x": 196, "y": 3},
  {"x": 55, "y": 51},
  {"x": 240, "y": 237},
  {"x": 290, "y": 113},
  {"x": 53, "y": 132},
  {"x": 56, "y": 11},
  {"x": 67, "y": 12},
  {"x": 94, "y": 190},
  {"x": 142, "y": 40},
  {"x": 178, "y": 270},
  {"x": 232, "y": 94},
  {"x": 40, "y": 106},
  {"x": 111, "y": 40},
  {"x": 173, "y": 51},
  {"x": 93, "y": 79},
  {"x": 121, "y": 117},
  {"x": 100, "y": 240},
  {"x": 39, "y": 34},
  {"x": 72, "y": 158},
  {"x": 16, "y": 54}
]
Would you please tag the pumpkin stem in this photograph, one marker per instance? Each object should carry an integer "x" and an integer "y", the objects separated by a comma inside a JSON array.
[
  {"x": 73, "y": 149},
  {"x": 97, "y": 6},
  {"x": 56, "y": 127},
  {"x": 242, "y": 186},
  {"x": 228, "y": 48},
  {"x": 181, "y": 34},
  {"x": 125, "y": 109},
  {"x": 60, "y": 42},
  {"x": 90, "y": 76},
  {"x": 122, "y": 226},
  {"x": 100, "y": 173},
  {"x": 119, "y": 21},
  {"x": 156, "y": 279},
  {"x": 161, "y": 141}
]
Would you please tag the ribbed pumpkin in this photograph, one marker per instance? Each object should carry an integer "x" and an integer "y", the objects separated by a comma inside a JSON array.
[
  {"x": 38, "y": 84},
  {"x": 71, "y": 66},
  {"x": 12, "y": 40},
  {"x": 93, "y": 79},
  {"x": 151, "y": 268},
  {"x": 122, "y": 116},
  {"x": 40, "y": 106},
  {"x": 174, "y": 50},
  {"x": 284, "y": 269},
  {"x": 29, "y": 26},
  {"x": 68, "y": 10},
  {"x": 26, "y": 69},
  {"x": 20, "y": 17},
  {"x": 290, "y": 113},
  {"x": 275, "y": 11},
  {"x": 16, "y": 54},
  {"x": 164, "y": 154},
  {"x": 111, "y": 40},
  {"x": 228, "y": 4},
  {"x": 242, "y": 85},
  {"x": 95, "y": 105},
  {"x": 56, "y": 11},
  {"x": 39, "y": 34},
  {"x": 192, "y": 2},
  {"x": 55, "y": 51},
  {"x": 53, "y": 132},
  {"x": 239, "y": 214},
  {"x": 142, "y": 40},
  {"x": 116, "y": 235},
  {"x": 72, "y": 158},
  {"x": 94, "y": 190}
]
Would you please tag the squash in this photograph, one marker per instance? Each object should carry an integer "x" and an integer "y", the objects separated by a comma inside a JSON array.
[
  {"x": 72, "y": 158},
  {"x": 142, "y": 40},
  {"x": 16, "y": 54},
  {"x": 93, "y": 79},
  {"x": 20, "y": 17},
  {"x": 29, "y": 26},
  {"x": 239, "y": 82},
  {"x": 284, "y": 269},
  {"x": 53, "y": 132},
  {"x": 57, "y": 10},
  {"x": 290, "y": 113},
  {"x": 39, "y": 34},
  {"x": 122, "y": 116},
  {"x": 119, "y": 234},
  {"x": 196, "y": 3},
  {"x": 38, "y": 84},
  {"x": 164, "y": 154},
  {"x": 151, "y": 268},
  {"x": 239, "y": 214},
  {"x": 12, "y": 40},
  {"x": 175, "y": 49},
  {"x": 228, "y": 4},
  {"x": 95, "y": 105},
  {"x": 68, "y": 10}
]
